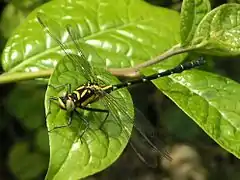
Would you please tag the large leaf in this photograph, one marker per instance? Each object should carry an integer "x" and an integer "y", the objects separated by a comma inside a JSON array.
[
  {"x": 212, "y": 101},
  {"x": 123, "y": 32},
  {"x": 73, "y": 156}
]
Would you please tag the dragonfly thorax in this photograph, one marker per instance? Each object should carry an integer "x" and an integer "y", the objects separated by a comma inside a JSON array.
[
  {"x": 87, "y": 94},
  {"x": 80, "y": 97}
]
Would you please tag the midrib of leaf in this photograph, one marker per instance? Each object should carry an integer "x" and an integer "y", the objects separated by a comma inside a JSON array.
[
  {"x": 26, "y": 61},
  {"x": 194, "y": 15}
]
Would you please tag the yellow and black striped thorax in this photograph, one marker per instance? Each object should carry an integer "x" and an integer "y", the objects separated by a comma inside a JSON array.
[{"x": 87, "y": 94}]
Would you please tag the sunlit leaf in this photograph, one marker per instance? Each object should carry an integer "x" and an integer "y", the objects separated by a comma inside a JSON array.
[
  {"x": 212, "y": 101},
  {"x": 120, "y": 33}
]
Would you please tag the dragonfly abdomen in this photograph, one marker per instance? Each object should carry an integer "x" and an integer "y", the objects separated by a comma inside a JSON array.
[{"x": 178, "y": 69}]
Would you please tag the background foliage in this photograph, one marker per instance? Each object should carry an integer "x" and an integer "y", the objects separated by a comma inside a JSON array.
[{"x": 23, "y": 136}]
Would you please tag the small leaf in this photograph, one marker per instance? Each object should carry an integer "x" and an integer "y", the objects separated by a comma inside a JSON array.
[
  {"x": 219, "y": 31},
  {"x": 25, "y": 164},
  {"x": 121, "y": 34},
  {"x": 192, "y": 12},
  {"x": 25, "y": 102},
  {"x": 72, "y": 156},
  {"x": 212, "y": 101},
  {"x": 41, "y": 140},
  {"x": 10, "y": 19}
]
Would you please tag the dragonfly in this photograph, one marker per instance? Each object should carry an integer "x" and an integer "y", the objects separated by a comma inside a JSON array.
[{"x": 95, "y": 90}]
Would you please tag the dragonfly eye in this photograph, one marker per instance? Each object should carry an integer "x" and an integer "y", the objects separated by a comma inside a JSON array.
[
  {"x": 74, "y": 97},
  {"x": 65, "y": 94},
  {"x": 70, "y": 106}
]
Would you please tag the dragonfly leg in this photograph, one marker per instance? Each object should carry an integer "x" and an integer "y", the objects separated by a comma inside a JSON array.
[
  {"x": 69, "y": 88},
  {"x": 98, "y": 110},
  {"x": 103, "y": 122},
  {"x": 50, "y": 100},
  {"x": 63, "y": 126},
  {"x": 85, "y": 122}
]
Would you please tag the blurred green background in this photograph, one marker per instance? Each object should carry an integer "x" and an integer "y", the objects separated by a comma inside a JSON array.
[{"x": 24, "y": 150}]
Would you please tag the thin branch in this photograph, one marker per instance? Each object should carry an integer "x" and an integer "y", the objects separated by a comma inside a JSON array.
[
  {"x": 134, "y": 71},
  {"x": 22, "y": 76},
  {"x": 127, "y": 72}
]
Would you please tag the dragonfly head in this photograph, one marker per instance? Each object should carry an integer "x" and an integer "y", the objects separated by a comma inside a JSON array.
[{"x": 66, "y": 103}]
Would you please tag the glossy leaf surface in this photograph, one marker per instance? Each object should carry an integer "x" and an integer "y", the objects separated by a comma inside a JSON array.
[
  {"x": 121, "y": 34},
  {"x": 212, "y": 101}
]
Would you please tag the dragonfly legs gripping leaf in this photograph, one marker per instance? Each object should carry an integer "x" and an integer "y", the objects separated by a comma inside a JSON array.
[
  {"x": 68, "y": 97},
  {"x": 98, "y": 110},
  {"x": 63, "y": 126},
  {"x": 54, "y": 99},
  {"x": 50, "y": 100},
  {"x": 70, "y": 117},
  {"x": 69, "y": 87},
  {"x": 85, "y": 122}
]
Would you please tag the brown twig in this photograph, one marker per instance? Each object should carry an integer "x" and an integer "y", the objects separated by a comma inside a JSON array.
[{"x": 134, "y": 71}]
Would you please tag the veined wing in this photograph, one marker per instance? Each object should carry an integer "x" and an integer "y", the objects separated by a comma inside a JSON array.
[
  {"x": 123, "y": 119},
  {"x": 146, "y": 143},
  {"x": 96, "y": 68},
  {"x": 57, "y": 32},
  {"x": 143, "y": 138}
]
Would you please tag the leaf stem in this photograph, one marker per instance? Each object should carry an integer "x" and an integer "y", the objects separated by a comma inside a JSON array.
[
  {"x": 10, "y": 77},
  {"x": 22, "y": 76},
  {"x": 134, "y": 71}
]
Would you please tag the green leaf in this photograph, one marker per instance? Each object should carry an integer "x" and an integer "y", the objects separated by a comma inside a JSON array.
[
  {"x": 10, "y": 19},
  {"x": 219, "y": 31},
  {"x": 28, "y": 5},
  {"x": 25, "y": 164},
  {"x": 212, "y": 101},
  {"x": 41, "y": 140},
  {"x": 192, "y": 12},
  {"x": 26, "y": 103},
  {"x": 122, "y": 35},
  {"x": 73, "y": 156}
]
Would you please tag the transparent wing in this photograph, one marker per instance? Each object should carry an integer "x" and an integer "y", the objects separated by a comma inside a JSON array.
[
  {"x": 75, "y": 36},
  {"x": 73, "y": 31},
  {"x": 60, "y": 34},
  {"x": 144, "y": 139},
  {"x": 146, "y": 142},
  {"x": 122, "y": 118}
]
